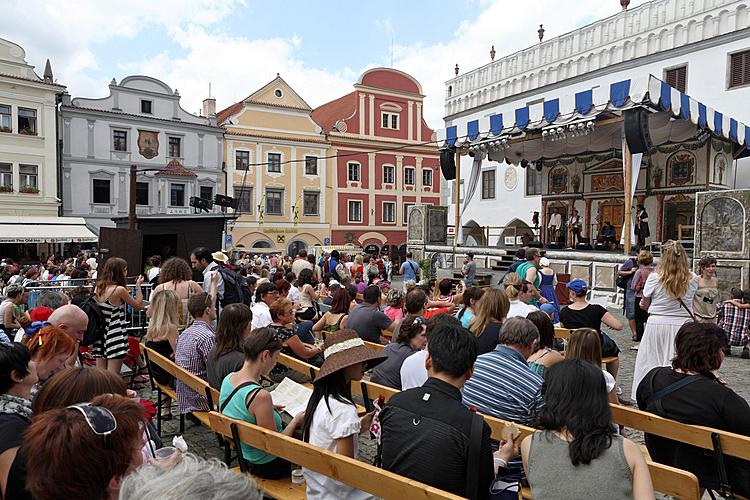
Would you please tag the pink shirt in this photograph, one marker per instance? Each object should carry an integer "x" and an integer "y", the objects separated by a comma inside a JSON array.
[{"x": 395, "y": 313}]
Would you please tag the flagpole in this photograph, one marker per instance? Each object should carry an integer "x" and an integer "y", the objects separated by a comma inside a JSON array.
[{"x": 628, "y": 196}]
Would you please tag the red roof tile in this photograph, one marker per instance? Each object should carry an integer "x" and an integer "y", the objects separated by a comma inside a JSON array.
[
  {"x": 227, "y": 112},
  {"x": 174, "y": 167},
  {"x": 328, "y": 114}
]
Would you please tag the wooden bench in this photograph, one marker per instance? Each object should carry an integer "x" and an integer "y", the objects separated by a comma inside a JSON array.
[
  {"x": 348, "y": 470},
  {"x": 564, "y": 334},
  {"x": 161, "y": 389},
  {"x": 375, "y": 347}
]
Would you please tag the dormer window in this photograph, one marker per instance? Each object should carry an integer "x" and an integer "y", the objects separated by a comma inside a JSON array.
[{"x": 147, "y": 107}]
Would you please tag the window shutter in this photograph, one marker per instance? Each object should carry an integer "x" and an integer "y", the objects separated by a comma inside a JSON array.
[
  {"x": 677, "y": 78},
  {"x": 739, "y": 71}
]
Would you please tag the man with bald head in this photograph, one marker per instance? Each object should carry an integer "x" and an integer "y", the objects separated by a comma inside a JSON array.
[{"x": 71, "y": 319}]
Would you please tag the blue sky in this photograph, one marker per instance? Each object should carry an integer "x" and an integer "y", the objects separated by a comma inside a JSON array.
[{"x": 320, "y": 48}]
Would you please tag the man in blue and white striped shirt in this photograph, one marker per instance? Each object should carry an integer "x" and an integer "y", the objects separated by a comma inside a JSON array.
[{"x": 502, "y": 384}]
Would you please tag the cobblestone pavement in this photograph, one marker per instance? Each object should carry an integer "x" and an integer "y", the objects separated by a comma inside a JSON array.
[{"x": 735, "y": 371}]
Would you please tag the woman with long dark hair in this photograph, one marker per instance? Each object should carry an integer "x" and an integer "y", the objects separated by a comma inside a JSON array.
[
  {"x": 471, "y": 298},
  {"x": 226, "y": 355},
  {"x": 491, "y": 312},
  {"x": 546, "y": 356},
  {"x": 308, "y": 296},
  {"x": 335, "y": 318},
  {"x": 111, "y": 293},
  {"x": 331, "y": 420},
  {"x": 577, "y": 451}
]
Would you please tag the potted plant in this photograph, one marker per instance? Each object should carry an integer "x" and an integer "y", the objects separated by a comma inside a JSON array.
[
  {"x": 6, "y": 129},
  {"x": 28, "y": 189},
  {"x": 6, "y": 189}
]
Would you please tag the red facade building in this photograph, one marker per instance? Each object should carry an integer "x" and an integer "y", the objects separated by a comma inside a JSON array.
[{"x": 386, "y": 160}]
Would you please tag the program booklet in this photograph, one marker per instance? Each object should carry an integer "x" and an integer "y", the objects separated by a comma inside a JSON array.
[{"x": 292, "y": 396}]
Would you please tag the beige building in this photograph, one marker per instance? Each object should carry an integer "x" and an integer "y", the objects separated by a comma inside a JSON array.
[{"x": 277, "y": 170}]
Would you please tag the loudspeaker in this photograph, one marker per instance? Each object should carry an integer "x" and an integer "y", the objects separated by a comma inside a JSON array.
[
  {"x": 637, "y": 133},
  {"x": 555, "y": 245},
  {"x": 584, "y": 246},
  {"x": 448, "y": 163}
]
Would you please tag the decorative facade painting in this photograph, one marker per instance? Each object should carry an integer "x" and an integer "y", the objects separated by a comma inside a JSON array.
[
  {"x": 681, "y": 168},
  {"x": 721, "y": 225},
  {"x": 148, "y": 143},
  {"x": 720, "y": 166},
  {"x": 558, "y": 180},
  {"x": 606, "y": 182}
]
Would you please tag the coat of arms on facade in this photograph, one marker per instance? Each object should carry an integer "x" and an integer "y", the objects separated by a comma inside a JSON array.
[{"x": 148, "y": 143}]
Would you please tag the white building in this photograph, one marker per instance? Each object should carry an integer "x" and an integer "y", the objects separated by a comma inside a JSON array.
[
  {"x": 700, "y": 47},
  {"x": 29, "y": 199},
  {"x": 140, "y": 122}
]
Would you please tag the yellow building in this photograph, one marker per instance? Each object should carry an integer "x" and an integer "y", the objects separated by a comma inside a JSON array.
[{"x": 276, "y": 169}]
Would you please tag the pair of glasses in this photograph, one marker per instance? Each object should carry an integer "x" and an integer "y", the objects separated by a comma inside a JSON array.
[{"x": 100, "y": 420}]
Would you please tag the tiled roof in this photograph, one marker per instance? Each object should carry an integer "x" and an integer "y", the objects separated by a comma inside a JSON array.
[
  {"x": 339, "y": 109},
  {"x": 154, "y": 118},
  {"x": 42, "y": 82},
  {"x": 175, "y": 168},
  {"x": 224, "y": 114},
  {"x": 232, "y": 131}
]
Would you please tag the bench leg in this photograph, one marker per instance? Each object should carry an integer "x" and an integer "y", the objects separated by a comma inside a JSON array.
[{"x": 158, "y": 411}]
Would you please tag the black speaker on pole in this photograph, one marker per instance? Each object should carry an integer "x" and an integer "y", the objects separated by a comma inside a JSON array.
[
  {"x": 448, "y": 163},
  {"x": 637, "y": 134}
]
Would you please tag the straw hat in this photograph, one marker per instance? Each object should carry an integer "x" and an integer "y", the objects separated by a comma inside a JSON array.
[
  {"x": 220, "y": 257},
  {"x": 344, "y": 349}
]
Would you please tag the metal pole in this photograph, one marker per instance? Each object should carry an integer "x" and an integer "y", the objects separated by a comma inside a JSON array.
[
  {"x": 131, "y": 201},
  {"x": 457, "y": 189},
  {"x": 628, "y": 196}
]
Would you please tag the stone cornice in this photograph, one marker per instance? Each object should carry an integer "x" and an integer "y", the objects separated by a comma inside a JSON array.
[{"x": 650, "y": 29}]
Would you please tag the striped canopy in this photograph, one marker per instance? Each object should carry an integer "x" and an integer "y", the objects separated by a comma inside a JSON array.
[{"x": 578, "y": 114}]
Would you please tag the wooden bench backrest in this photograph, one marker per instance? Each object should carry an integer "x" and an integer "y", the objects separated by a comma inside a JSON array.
[
  {"x": 375, "y": 347},
  {"x": 358, "y": 474},
  {"x": 297, "y": 365},
  {"x": 195, "y": 383},
  {"x": 732, "y": 444},
  {"x": 562, "y": 333}
]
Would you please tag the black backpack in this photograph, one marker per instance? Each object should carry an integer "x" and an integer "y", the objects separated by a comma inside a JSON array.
[
  {"x": 622, "y": 281},
  {"x": 236, "y": 289},
  {"x": 97, "y": 327}
]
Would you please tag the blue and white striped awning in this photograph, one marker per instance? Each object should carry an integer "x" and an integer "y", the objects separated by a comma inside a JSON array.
[{"x": 586, "y": 106}]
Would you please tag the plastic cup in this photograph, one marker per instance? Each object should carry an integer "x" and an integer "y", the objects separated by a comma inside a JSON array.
[
  {"x": 164, "y": 453},
  {"x": 297, "y": 477}
]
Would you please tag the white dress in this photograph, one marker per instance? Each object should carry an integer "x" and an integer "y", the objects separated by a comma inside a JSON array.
[
  {"x": 328, "y": 426},
  {"x": 666, "y": 316}
]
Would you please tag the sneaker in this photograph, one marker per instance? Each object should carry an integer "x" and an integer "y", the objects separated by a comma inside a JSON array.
[
  {"x": 634, "y": 347},
  {"x": 745, "y": 353}
]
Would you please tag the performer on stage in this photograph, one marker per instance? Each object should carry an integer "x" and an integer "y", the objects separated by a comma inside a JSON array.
[
  {"x": 641, "y": 225},
  {"x": 607, "y": 234},
  {"x": 574, "y": 225},
  {"x": 555, "y": 223}
]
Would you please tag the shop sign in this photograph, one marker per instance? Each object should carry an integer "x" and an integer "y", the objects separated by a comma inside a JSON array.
[{"x": 279, "y": 230}]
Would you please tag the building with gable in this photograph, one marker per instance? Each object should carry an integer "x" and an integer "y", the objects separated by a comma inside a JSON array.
[
  {"x": 699, "y": 48},
  {"x": 29, "y": 183},
  {"x": 385, "y": 162},
  {"x": 179, "y": 154},
  {"x": 277, "y": 171}
]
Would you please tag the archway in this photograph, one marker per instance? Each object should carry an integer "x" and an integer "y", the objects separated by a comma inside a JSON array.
[
  {"x": 295, "y": 246},
  {"x": 262, "y": 244},
  {"x": 473, "y": 234},
  {"x": 522, "y": 231}
]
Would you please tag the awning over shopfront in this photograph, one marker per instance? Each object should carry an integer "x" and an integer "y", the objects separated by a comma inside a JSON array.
[
  {"x": 565, "y": 125},
  {"x": 45, "y": 230}
]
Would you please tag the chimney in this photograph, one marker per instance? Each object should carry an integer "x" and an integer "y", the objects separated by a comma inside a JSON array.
[{"x": 209, "y": 106}]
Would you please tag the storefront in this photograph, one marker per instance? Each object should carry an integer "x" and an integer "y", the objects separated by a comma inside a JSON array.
[
  {"x": 287, "y": 239},
  {"x": 34, "y": 238}
]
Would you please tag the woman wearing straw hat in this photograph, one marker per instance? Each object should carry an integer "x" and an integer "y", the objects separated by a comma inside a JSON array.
[{"x": 331, "y": 420}]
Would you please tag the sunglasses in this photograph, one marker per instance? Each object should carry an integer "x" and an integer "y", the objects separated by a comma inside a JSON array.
[{"x": 100, "y": 420}]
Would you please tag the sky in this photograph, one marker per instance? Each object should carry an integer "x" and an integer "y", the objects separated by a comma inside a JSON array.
[{"x": 319, "y": 47}]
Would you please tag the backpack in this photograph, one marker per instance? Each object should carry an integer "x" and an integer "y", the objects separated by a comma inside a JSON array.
[
  {"x": 236, "y": 289},
  {"x": 97, "y": 327},
  {"x": 622, "y": 281}
]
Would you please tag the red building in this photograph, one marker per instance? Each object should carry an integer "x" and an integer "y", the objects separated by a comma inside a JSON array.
[{"x": 386, "y": 160}]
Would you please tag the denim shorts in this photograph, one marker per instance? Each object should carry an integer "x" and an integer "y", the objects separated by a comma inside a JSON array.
[{"x": 629, "y": 304}]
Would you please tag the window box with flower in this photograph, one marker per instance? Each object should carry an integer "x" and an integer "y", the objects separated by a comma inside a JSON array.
[
  {"x": 28, "y": 189},
  {"x": 6, "y": 129},
  {"x": 6, "y": 189}
]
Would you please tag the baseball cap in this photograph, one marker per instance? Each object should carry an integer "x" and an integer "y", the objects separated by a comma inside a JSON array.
[{"x": 578, "y": 286}]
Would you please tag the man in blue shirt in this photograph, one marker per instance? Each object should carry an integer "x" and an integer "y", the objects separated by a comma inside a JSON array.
[
  {"x": 409, "y": 269},
  {"x": 502, "y": 384}
]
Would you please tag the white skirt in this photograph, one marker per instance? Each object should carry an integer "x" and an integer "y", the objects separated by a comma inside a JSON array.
[{"x": 656, "y": 347}]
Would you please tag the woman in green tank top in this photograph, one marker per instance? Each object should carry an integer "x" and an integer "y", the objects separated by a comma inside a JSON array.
[
  {"x": 335, "y": 318},
  {"x": 578, "y": 453},
  {"x": 243, "y": 398}
]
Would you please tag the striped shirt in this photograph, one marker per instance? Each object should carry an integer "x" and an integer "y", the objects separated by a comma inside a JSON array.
[
  {"x": 193, "y": 346},
  {"x": 504, "y": 386}
]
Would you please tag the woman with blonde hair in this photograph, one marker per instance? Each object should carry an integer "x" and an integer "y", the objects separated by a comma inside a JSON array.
[
  {"x": 668, "y": 296},
  {"x": 519, "y": 293},
  {"x": 585, "y": 344},
  {"x": 491, "y": 312},
  {"x": 161, "y": 337}
]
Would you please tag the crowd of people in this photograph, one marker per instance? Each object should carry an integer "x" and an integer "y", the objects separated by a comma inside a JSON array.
[{"x": 454, "y": 350}]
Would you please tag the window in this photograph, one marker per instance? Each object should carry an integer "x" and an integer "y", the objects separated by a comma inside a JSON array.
[
  {"x": 28, "y": 177},
  {"x": 26, "y": 121},
  {"x": 146, "y": 107},
  {"x": 311, "y": 165},
  {"x": 244, "y": 198},
  {"x": 5, "y": 118},
  {"x": 677, "y": 78},
  {"x": 207, "y": 192},
  {"x": 310, "y": 203},
  {"x": 389, "y": 212},
  {"x": 242, "y": 160},
  {"x": 427, "y": 177},
  {"x": 680, "y": 171},
  {"x": 175, "y": 148},
  {"x": 120, "y": 140},
  {"x": 390, "y": 120},
  {"x": 177, "y": 195},
  {"x": 141, "y": 193},
  {"x": 533, "y": 182},
  {"x": 101, "y": 191},
  {"x": 274, "y": 201},
  {"x": 278, "y": 93},
  {"x": 274, "y": 162},
  {"x": 407, "y": 206},
  {"x": 355, "y": 211},
  {"x": 488, "y": 184},
  {"x": 6, "y": 177},
  {"x": 409, "y": 176},
  {"x": 353, "y": 171},
  {"x": 739, "y": 69},
  {"x": 389, "y": 173}
]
